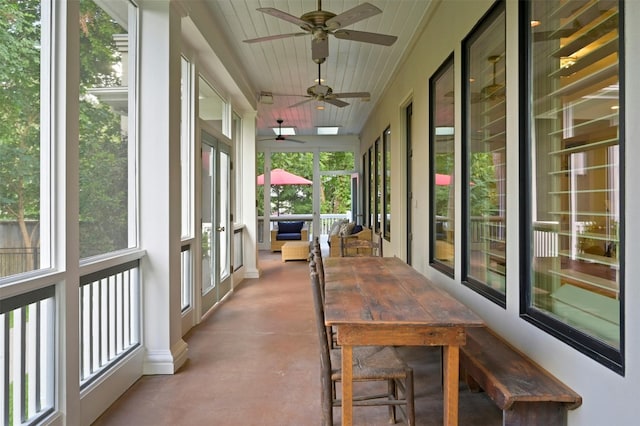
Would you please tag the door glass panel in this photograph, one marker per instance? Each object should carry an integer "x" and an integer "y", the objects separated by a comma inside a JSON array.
[
  {"x": 208, "y": 241},
  {"x": 224, "y": 215}
]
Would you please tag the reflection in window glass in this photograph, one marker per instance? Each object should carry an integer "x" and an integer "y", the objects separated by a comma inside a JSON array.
[
  {"x": 575, "y": 205},
  {"x": 21, "y": 48},
  {"x": 372, "y": 188},
  {"x": 106, "y": 82},
  {"x": 441, "y": 88},
  {"x": 186, "y": 147},
  {"x": 212, "y": 108},
  {"x": 379, "y": 180},
  {"x": 386, "y": 138},
  {"x": 485, "y": 146}
]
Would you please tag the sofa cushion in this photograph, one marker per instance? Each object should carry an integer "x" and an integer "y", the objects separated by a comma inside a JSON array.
[
  {"x": 290, "y": 228},
  {"x": 289, "y": 236}
]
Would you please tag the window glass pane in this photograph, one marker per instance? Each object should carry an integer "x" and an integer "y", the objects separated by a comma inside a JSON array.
[
  {"x": 107, "y": 76},
  {"x": 575, "y": 167},
  {"x": 336, "y": 198},
  {"x": 212, "y": 108},
  {"x": 186, "y": 146},
  {"x": 387, "y": 184},
  {"x": 372, "y": 188},
  {"x": 24, "y": 44},
  {"x": 262, "y": 223},
  {"x": 378, "y": 186},
  {"x": 441, "y": 89},
  {"x": 485, "y": 182}
]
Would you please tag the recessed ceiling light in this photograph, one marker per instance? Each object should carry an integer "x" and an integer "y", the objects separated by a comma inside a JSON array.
[
  {"x": 444, "y": 131},
  {"x": 327, "y": 130},
  {"x": 287, "y": 131},
  {"x": 535, "y": 23}
]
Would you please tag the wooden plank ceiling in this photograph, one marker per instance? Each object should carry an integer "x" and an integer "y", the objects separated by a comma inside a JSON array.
[{"x": 285, "y": 67}]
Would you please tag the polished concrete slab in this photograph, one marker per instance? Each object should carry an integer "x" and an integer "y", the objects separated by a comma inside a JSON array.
[{"x": 255, "y": 361}]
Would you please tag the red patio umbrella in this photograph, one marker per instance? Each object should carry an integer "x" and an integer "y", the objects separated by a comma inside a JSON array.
[
  {"x": 443, "y": 179},
  {"x": 283, "y": 177}
]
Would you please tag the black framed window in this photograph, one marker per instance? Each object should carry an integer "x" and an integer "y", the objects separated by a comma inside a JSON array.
[
  {"x": 386, "y": 183},
  {"x": 573, "y": 162},
  {"x": 441, "y": 166},
  {"x": 364, "y": 197},
  {"x": 372, "y": 189},
  {"x": 484, "y": 147}
]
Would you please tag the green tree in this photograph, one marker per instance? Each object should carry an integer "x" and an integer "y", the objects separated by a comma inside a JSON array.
[
  {"x": 20, "y": 114},
  {"x": 296, "y": 199},
  {"x": 103, "y": 148}
]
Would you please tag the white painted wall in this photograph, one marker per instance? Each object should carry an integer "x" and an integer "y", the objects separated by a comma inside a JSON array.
[{"x": 608, "y": 398}]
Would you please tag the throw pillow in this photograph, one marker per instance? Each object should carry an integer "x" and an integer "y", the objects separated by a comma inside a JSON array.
[
  {"x": 346, "y": 228},
  {"x": 335, "y": 227},
  {"x": 356, "y": 229}
]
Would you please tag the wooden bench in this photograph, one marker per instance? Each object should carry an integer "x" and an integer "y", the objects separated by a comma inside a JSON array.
[{"x": 526, "y": 393}]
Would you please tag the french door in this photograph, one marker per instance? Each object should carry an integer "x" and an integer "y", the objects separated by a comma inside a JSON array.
[{"x": 216, "y": 220}]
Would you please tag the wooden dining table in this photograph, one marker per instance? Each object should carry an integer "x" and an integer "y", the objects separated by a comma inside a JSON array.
[{"x": 384, "y": 301}]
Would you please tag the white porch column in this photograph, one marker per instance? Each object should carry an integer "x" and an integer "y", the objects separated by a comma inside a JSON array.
[
  {"x": 248, "y": 194},
  {"x": 160, "y": 186}
]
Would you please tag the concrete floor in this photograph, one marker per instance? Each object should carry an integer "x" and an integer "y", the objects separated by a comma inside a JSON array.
[{"x": 255, "y": 361}]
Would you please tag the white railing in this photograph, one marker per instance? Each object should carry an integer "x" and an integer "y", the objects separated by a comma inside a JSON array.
[
  {"x": 109, "y": 318},
  {"x": 27, "y": 362}
]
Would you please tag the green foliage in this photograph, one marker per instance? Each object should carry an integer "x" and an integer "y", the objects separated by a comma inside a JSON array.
[
  {"x": 103, "y": 149},
  {"x": 483, "y": 194},
  {"x": 19, "y": 109},
  {"x": 297, "y": 199}
]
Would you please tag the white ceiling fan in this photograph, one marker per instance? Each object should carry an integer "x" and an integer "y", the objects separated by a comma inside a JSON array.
[
  {"x": 320, "y": 23},
  {"x": 320, "y": 92},
  {"x": 280, "y": 137}
]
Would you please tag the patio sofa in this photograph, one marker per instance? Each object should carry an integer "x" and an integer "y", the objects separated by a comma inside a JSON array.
[
  {"x": 352, "y": 231},
  {"x": 288, "y": 231}
]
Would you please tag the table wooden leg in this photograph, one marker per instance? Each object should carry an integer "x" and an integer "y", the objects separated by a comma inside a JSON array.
[
  {"x": 451, "y": 377},
  {"x": 347, "y": 385}
]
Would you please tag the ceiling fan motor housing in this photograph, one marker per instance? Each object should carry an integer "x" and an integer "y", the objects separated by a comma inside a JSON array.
[{"x": 317, "y": 18}]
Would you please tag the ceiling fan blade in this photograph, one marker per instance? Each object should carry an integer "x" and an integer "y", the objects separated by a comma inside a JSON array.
[
  {"x": 319, "y": 49},
  {"x": 273, "y": 37},
  {"x": 284, "y": 15},
  {"x": 293, "y": 140},
  {"x": 352, "y": 95},
  {"x": 366, "y": 37},
  {"x": 351, "y": 16},
  {"x": 301, "y": 102},
  {"x": 336, "y": 102}
]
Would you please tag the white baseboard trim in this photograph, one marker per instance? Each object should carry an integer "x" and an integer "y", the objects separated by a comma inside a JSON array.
[{"x": 165, "y": 361}]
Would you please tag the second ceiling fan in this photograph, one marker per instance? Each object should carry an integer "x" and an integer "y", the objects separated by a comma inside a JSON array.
[
  {"x": 320, "y": 23},
  {"x": 322, "y": 93}
]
